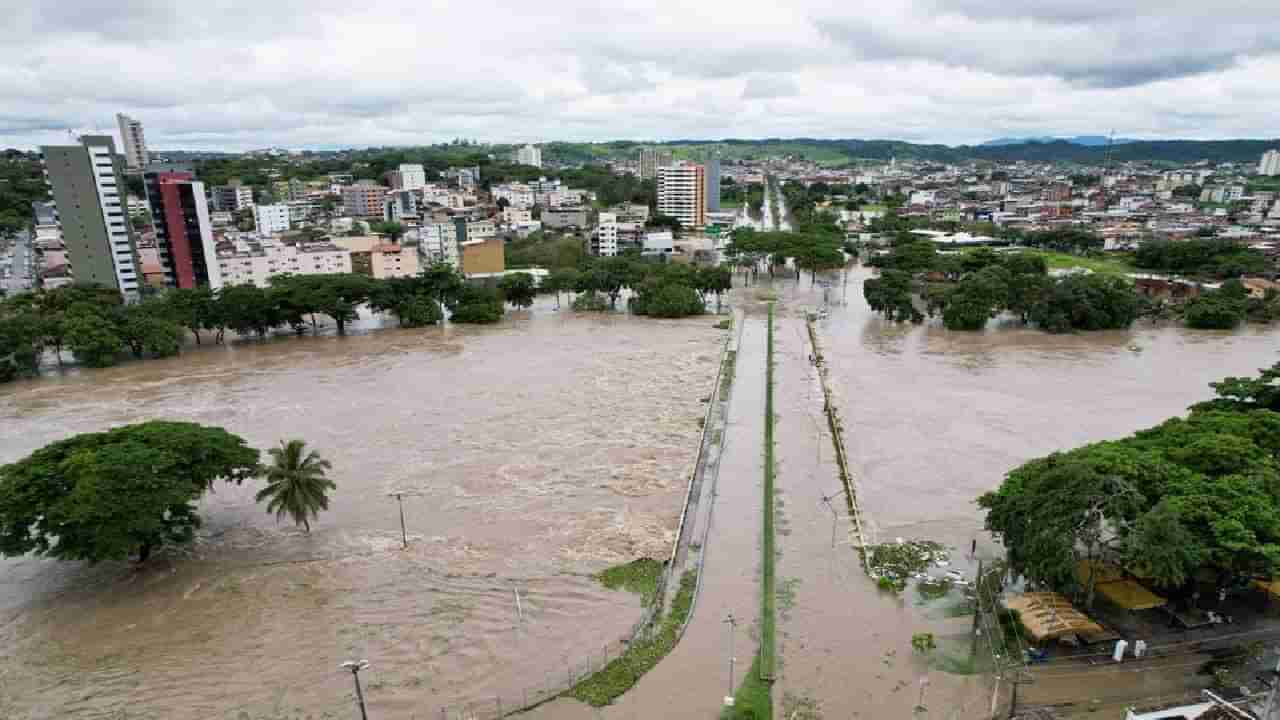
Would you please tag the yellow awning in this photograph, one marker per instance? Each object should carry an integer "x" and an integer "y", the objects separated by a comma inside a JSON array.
[
  {"x": 1130, "y": 595},
  {"x": 1048, "y": 615},
  {"x": 1271, "y": 586},
  {"x": 1111, "y": 582}
]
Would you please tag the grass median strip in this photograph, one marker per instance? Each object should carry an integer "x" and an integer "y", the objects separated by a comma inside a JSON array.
[
  {"x": 768, "y": 579},
  {"x": 620, "y": 675},
  {"x": 754, "y": 699}
]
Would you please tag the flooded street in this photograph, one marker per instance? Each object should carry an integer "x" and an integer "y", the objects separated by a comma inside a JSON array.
[
  {"x": 934, "y": 418},
  {"x": 931, "y": 420},
  {"x": 533, "y": 453}
]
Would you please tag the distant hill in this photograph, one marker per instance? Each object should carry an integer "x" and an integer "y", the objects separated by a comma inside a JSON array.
[
  {"x": 848, "y": 151},
  {"x": 1085, "y": 140}
]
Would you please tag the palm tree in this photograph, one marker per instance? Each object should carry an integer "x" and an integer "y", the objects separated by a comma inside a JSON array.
[{"x": 296, "y": 483}]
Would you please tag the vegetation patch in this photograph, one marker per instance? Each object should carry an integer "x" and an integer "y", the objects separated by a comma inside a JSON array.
[
  {"x": 753, "y": 700},
  {"x": 934, "y": 588},
  {"x": 638, "y": 576},
  {"x": 591, "y": 302},
  {"x": 1104, "y": 263},
  {"x": 768, "y": 629},
  {"x": 726, "y": 372},
  {"x": 800, "y": 707},
  {"x": 899, "y": 561},
  {"x": 603, "y": 687}
]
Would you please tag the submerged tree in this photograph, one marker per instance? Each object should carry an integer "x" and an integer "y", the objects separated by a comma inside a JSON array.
[
  {"x": 296, "y": 483},
  {"x": 109, "y": 495}
]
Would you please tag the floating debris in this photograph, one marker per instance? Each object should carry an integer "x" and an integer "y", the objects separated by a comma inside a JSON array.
[{"x": 893, "y": 564}]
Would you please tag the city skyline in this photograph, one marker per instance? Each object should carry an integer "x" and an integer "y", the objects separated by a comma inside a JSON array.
[{"x": 317, "y": 75}]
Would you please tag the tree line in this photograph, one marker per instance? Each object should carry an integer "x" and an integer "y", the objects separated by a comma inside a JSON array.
[
  {"x": 813, "y": 252},
  {"x": 659, "y": 289},
  {"x": 968, "y": 289},
  {"x": 1207, "y": 257},
  {"x": 1193, "y": 500},
  {"x": 133, "y": 489},
  {"x": 98, "y": 329}
]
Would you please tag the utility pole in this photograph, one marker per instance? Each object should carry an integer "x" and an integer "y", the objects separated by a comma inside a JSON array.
[
  {"x": 404, "y": 537},
  {"x": 977, "y": 613},
  {"x": 355, "y": 668},
  {"x": 733, "y": 624}
]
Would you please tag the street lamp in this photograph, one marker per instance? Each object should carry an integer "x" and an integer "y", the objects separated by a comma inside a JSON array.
[
  {"x": 732, "y": 622},
  {"x": 355, "y": 668}
]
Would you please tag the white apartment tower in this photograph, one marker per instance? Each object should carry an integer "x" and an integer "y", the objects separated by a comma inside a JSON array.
[
  {"x": 605, "y": 243},
  {"x": 272, "y": 219},
  {"x": 135, "y": 143},
  {"x": 1270, "y": 164},
  {"x": 412, "y": 177},
  {"x": 529, "y": 155},
  {"x": 682, "y": 194}
]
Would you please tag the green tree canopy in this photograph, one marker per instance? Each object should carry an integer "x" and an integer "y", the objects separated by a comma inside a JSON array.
[
  {"x": 1201, "y": 492},
  {"x": 105, "y": 496},
  {"x": 519, "y": 289}
]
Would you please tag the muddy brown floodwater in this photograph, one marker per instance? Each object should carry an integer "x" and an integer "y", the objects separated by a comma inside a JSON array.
[
  {"x": 534, "y": 453},
  {"x": 932, "y": 419}
]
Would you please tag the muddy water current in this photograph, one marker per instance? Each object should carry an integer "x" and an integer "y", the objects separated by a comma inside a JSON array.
[
  {"x": 934, "y": 418},
  {"x": 931, "y": 420},
  {"x": 531, "y": 455}
]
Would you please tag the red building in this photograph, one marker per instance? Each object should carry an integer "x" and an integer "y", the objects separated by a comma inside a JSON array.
[{"x": 184, "y": 236}]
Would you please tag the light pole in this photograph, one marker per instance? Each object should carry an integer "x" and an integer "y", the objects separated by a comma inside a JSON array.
[
  {"x": 732, "y": 622},
  {"x": 404, "y": 538},
  {"x": 355, "y": 668}
]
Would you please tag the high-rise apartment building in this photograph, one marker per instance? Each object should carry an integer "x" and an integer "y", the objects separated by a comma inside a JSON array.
[
  {"x": 412, "y": 177},
  {"x": 184, "y": 235},
  {"x": 232, "y": 197},
  {"x": 651, "y": 159},
  {"x": 363, "y": 199},
  {"x": 87, "y": 181},
  {"x": 272, "y": 219},
  {"x": 605, "y": 241},
  {"x": 1270, "y": 164},
  {"x": 713, "y": 182},
  {"x": 682, "y": 194},
  {"x": 400, "y": 206},
  {"x": 135, "y": 143},
  {"x": 529, "y": 155}
]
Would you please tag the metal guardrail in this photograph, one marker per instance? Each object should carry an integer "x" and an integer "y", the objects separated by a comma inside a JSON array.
[{"x": 837, "y": 439}]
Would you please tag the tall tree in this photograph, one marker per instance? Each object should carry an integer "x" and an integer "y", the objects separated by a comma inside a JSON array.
[
  {"x": 296, "y": 483},
  {"x": 109, "y": 495},
  {"x": 519, "y": 289}
]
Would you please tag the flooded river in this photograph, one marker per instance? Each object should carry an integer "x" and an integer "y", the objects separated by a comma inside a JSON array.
[
  {"x": 934, "y": 418},
  {"x": 533, "y": 453}
]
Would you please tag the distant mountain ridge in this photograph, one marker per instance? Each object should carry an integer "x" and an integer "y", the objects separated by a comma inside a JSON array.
[{"x": 1085, "y": 140}]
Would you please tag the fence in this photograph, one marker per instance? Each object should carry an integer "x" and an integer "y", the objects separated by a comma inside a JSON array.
[
  {"x": 837, "y": 439},
  {"x": 556, "y": 683},
  {"x": 559, "y": 683}
]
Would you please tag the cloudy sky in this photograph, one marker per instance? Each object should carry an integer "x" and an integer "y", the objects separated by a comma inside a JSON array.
[{"x": 240, "y": 74}]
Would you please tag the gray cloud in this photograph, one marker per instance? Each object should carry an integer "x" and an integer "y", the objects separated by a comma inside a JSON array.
[
  {"x": 761, "y": 87},
  {"x": 247, "y": 73},
  {"x": 1087, "y": 43}
]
